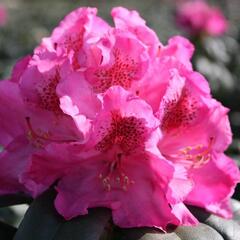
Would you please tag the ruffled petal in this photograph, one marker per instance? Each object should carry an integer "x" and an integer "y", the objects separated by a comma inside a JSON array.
[
  {"x": 180, "y": 48},
  {"x": 180, "y": 185},
  {"x": 13, "y": 161},
  {"x": 45, "y": 167},
  {"x": 10, "y": 107},
  {"x": 74, "y": 93},
  {"x": 84, "y": 189},
  {"x": 185, "y": 217},
  {"x": 19, "y": 68},
  {"x": 132, "y": 22},
  {"x": 216, "y": 182}
]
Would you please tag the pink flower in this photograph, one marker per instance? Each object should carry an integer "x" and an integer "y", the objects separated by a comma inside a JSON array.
[
  {"x": 69, "y": 38},
  {"x": 3, "y": 16},
  {"x": 39, "y": 88},
  {"x": 198, "y": 17},
  {"x": 106, "y": 61},
  {"x": 131, "y": 21},
  {"x": 117, "y": 168},
  {"x": 115, "y": 119},
  {"x": 122, "y": 55},
  {"x": 196, "y": 132},
  {"x": 30, "y": 94},
  {"x": 33, "y": 90},
  {"x": 117, "y": 65},
  {"x": 169, "y": 63}
]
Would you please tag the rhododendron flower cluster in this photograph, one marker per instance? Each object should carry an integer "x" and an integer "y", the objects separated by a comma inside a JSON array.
[
  {"x": 197, "y": 17},
  {"x": 114, "y": 118}
]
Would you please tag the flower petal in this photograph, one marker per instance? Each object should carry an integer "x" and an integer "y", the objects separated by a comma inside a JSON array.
[
  {"x": 13, "y": 161},
  {"x": 45, "y": 167},
  {"x": 216, "y": 182},
  {"x": 83, "y": 189}
]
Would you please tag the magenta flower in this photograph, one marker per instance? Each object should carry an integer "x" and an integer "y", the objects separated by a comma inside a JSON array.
[
  {"x": 30, "y": 94},
  {"x": 131, "y": 22},
  {"x": 198, "y": 17},
  {"x": 3, "y": 16},
  {"x": 115, "y": 119},
  {"x": 11, "y": 138},
  {"x": 196, "y": 132},
  {"x": 121, "y": 162},
  {"x": 70, "y": 37}
]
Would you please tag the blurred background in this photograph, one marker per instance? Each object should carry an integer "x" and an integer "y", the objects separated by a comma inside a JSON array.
[{"x": 24, "y": 22}]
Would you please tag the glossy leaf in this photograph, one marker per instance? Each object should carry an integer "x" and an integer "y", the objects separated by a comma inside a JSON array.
[{"x": 42, "y": 222}]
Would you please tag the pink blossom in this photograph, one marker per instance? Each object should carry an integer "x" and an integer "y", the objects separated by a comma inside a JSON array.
[
  {"x": 121, "y": 163},
  {"x": 198, "y": 17},
  {"x": 39, "y": 89},
  {"x": 33, "y": 90},
  {"x": 30, "y": 94},
  {"x": 118, "y": 66},
  {"x": 132, "y": 22},
  {"x": 196, "y": 132},
  {"x": 69, "y": 38},
  {"x": 115, "y": 119},
  {"x": 107, "y": 61},
  {"x": 164, "y": 68},
  {"x": 3, "y": 16}
]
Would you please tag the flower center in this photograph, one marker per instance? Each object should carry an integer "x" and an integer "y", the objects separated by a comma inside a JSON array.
[
  {"x": 114, "y": 178},
  {"x": 37, "y": 139},
  {"x": 196, "y": 156},
  {"x": 121, "y": 73},
  {"x": 125, "y": 136},
  {"x": 126, "y": 133},
  {"x": 179, "y": 112},
  {"x": 48, "y": 96}
]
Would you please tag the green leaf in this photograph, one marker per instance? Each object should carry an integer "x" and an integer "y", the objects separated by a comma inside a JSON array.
[
  {"x": 42, "y": 222},
  {"x": 14, "y": 199},
  {"x": 6, "y": 231}
]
